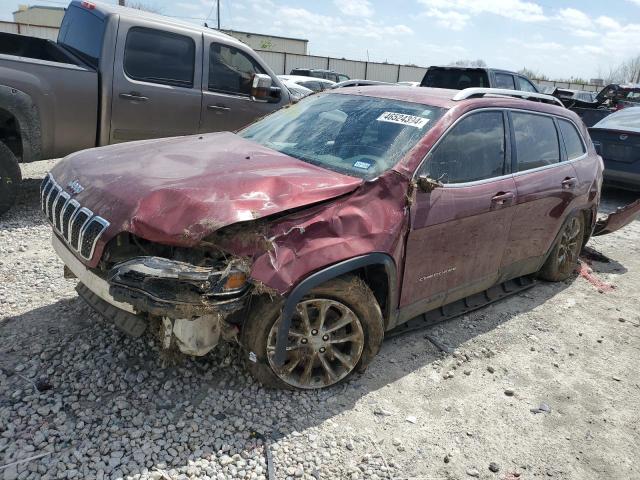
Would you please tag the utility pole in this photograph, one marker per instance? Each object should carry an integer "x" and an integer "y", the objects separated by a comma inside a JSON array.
[{"x": 218, "y": 14}]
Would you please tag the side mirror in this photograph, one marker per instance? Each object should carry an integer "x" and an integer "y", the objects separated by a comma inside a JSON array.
[
  {"x": 428, "y": 184},
  {"x": 262, "y": 89}
]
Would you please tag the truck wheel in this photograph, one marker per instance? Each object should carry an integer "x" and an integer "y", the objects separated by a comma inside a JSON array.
[
  {"x": 10, "y": 178},
  {"x": 336, "y": 329},
  {"x": 564, "y": 255}
]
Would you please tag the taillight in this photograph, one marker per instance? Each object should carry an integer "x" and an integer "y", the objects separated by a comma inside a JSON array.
[{"x": 88, "y": 5}]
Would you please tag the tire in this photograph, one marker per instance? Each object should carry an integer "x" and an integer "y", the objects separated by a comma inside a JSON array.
[
  {"x": 563, "y": 257},
  {"x": 10, "y": 178},
  {"x": 343, "y": 299}
]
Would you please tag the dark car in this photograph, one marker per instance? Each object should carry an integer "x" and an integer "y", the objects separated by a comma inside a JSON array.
[
  {"x": 309, "y": 234},
  {"x": 319, "y": 73},
  {"x": 572, "y": 98},
  {"x": 617, "y": 140},
  {"x": 459, "y": 78}
]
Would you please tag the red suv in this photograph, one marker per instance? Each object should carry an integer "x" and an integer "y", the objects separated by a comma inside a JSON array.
[{"x": 309, "y": 234}]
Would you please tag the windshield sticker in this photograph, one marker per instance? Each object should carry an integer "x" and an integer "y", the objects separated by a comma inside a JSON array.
[
  {"x": 362, "y": 165},
  {"x": 403, "y": 119}
]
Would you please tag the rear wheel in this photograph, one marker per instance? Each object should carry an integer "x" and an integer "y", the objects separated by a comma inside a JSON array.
[
  {"x": 564, "y": 255},
  {"x": 335, "y": 330},
  {"x": 10, "y": 178}
]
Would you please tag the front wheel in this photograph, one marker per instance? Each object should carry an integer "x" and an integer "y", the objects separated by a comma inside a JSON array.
[
  {"x": 563, "y": 257},
  {"x": 10, "y": 178},
  {"x": 336, "y": 329}
]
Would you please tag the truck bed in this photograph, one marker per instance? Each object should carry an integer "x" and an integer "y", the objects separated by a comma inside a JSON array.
[{"x": 36, "y": 48}]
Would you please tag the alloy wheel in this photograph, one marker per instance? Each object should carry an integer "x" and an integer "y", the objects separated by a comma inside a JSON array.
[
  {"x": 325, "y": 343},
  {"x": 568, "y": 248}
]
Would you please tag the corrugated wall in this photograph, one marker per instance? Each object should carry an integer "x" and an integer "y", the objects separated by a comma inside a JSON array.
[{"x": 50, "y": 33}]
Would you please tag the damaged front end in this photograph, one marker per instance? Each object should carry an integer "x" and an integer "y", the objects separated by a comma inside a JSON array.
[{"x": 192, "y": 300}]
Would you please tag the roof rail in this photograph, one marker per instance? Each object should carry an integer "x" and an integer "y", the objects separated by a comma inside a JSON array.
[{"x": 503, "y": 92}]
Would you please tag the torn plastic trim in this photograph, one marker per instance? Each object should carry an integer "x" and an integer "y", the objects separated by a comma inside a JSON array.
[
  {"x": 320, "y": 277},
  {"x": 175, "y": 289},
  {"x": 622, "y": 217}
]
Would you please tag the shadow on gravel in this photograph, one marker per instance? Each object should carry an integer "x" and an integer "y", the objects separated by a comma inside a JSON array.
[{"x": 120, "y": 406}]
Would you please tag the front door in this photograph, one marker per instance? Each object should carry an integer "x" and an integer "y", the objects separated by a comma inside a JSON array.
[
  {"x": 459, "y": 231},
  {"x": 227, "y": 104},
  {"x": 156, "y": 83},
  {"x": 547, "y": 187}
]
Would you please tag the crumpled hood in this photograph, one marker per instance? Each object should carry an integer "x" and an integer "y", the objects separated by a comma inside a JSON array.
[{"x": 178, "y": 190}]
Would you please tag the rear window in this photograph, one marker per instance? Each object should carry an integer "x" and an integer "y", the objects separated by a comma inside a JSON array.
[
  {"x": 455, "y": 79},
  {"x": 504, "y": 80},
  {"x": 82, "y": 32},
  {"x": 572, "y": 140},
  {"x": 159, "y": 57},
  {"x": 536, "y": 140},
  {"x": 627, "y": 119}
]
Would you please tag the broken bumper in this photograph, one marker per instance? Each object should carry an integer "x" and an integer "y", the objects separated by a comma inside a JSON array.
[{"x": 191, "y": 321}]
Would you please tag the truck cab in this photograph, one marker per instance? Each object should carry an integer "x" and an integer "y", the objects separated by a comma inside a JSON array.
[{"x": 117, "y": 74}]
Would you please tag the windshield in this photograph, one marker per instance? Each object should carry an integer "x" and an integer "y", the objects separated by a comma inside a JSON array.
[
  {"x": 627, "y": 119},
  {"x": 351, "y": 134},
  {"x": 82, "y": 32}
]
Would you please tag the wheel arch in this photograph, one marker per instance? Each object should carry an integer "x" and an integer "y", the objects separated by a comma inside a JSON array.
[
  {"x": 20, "y": 124},
  {"x": 371, "y": 267}
]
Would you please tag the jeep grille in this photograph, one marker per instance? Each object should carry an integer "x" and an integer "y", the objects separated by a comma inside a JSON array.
[{"x": 76, "y": 224}]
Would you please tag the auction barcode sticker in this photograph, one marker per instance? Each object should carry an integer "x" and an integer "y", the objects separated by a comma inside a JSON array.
[{"x": 403, "y": 119}]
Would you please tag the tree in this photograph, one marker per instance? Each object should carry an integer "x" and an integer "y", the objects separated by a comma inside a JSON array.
[
  {"x": 626, "y": 71},
  {"x": 140, "y": 5},
  {"x": 468, "y": 63},
  {"x": 533, "y": 74}
]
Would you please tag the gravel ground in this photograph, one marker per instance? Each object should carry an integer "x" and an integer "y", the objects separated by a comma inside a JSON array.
[{"x": 543, "y": 384}]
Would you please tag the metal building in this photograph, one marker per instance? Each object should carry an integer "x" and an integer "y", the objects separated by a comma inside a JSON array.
[
  {"x": 39, "y": 15},
  {"x": 272, "y": 43}
]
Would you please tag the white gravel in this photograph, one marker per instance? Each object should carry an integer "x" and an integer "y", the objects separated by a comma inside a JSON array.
[{"x": 544, "y": 384}]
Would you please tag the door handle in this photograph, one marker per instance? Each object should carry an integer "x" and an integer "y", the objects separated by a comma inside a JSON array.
[
  {"x": 502, "y": 198},
  {"x": 218, "y": 107},
  {"x": 134, "y": 96},
  {"x": 569, "y": 183}
]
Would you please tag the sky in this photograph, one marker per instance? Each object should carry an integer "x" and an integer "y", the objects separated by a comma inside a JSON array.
[{"x": 561, "y": 39}]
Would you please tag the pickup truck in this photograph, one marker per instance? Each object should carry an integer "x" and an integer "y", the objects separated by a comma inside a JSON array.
[
  {"x": 459, "y": 78},
  {"x": 118, "y": 74}
]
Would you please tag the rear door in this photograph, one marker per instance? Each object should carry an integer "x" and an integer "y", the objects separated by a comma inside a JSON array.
[
  {"x": 156, "y": 82},
  {"x": 227, "y": 104},
  {"x": 459, "y": 231},
  {"x": 547, "y": 187}
]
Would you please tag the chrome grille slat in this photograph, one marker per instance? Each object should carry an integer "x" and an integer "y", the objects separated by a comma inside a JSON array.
[
  {"x": 69, "y": 210},
  {"x": 77, "y": 225},
  {"x": 58, "y": 207}
]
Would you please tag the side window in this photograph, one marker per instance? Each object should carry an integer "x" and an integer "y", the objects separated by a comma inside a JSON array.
[
  {"x": 504, "y": 80},
  {"x": 572, "y": 140},
  {"x": 159, "y": 57},
  {"x": 536, "y": 140},
  {"x": 473, "y": 150},
  {"x": 231, "y": 70},
  {"x": 526, "y": 85},
  {"x": 342, "y": 78}
]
